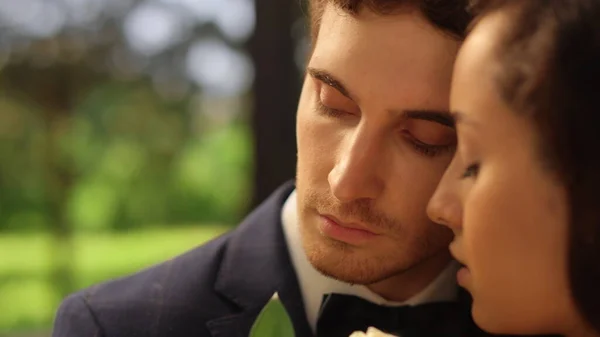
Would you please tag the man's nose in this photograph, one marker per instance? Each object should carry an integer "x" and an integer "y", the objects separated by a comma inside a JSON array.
[
  {"x": 445, "y": 206},
  {"x": 358, "y": 173}
]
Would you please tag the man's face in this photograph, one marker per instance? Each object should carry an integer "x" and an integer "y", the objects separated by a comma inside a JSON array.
[{"x": 374, "y": 138}]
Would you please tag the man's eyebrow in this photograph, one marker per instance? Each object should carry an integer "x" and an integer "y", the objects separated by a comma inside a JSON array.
[
  {"x": 442, "y": 117},
  {"x": 330, "y": 80}
]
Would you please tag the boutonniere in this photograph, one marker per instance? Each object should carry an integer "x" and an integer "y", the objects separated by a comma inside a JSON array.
[
  {"x": 273, "y": 321},
  {"x": 371, "y": 332}
]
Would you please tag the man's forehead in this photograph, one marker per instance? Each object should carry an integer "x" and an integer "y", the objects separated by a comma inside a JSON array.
[{"x": 395, "y": 50}]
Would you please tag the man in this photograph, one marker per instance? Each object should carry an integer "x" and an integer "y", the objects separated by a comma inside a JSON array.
[{"x": 374, "y": 138}]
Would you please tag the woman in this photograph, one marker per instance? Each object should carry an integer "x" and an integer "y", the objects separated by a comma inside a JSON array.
[{"x": 521, "y": 194}]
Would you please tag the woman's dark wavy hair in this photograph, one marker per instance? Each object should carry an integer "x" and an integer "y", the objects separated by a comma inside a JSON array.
[{"x": 550, "y": 72}]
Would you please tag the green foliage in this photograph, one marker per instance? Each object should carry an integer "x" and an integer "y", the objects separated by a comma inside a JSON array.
[
  {"x": 273, "y": 321},
  {"x": 21, "y": 175},
  {"x": 28, "y": 299},
  {"x": 96, "y": 171},
  {"x": 100, "y": 148},
  {"x": 215, "y": 170},
  {"x": 26, "y": 304},
  {"x": 131, "y": 158}
]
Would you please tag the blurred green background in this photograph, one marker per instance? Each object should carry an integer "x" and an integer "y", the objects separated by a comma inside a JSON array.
[{"x": 131, "y": 131}]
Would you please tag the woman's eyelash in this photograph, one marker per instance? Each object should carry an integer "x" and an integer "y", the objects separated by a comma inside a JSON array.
[{"x": 471, "y": 171}]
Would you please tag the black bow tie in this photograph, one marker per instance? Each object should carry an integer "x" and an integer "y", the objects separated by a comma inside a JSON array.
[{"x": 340, "y": 315}]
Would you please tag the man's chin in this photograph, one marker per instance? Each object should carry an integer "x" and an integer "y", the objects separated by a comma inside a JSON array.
[
  {"x": 344, "y": 276},
  {"x": 342, "y": 262}
]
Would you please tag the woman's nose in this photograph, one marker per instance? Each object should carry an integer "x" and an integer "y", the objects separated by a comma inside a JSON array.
[{"x": 445, "y": 206}]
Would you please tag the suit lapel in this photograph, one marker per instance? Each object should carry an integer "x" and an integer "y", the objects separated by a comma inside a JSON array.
[{"x": 256, "y": 264}]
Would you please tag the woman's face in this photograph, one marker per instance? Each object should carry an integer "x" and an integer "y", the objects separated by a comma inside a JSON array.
[{"x": 509, "y": 214}]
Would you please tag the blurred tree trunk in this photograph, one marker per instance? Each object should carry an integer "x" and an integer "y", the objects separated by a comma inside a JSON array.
[
  {"x": 54, "y": 90},
  {"x": 276, "y": 91},
  {"x": 57, "y": 98}
]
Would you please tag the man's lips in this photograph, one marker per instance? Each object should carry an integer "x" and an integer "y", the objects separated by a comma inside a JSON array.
[
  {"x": 349, "y": 225},
  {"x": 348, "y": 232}
]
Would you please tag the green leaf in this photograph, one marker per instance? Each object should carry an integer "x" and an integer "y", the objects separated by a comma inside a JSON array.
[{"x": 273, "y": 321}]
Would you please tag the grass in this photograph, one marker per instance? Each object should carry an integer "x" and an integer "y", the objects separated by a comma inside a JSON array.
[{"x": 28, "y": 299}]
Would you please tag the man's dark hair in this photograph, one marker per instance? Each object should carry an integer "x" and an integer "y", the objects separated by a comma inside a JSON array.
[
  {"x": 451, "y": 16},
  {"x": 549, "y": 71}
]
